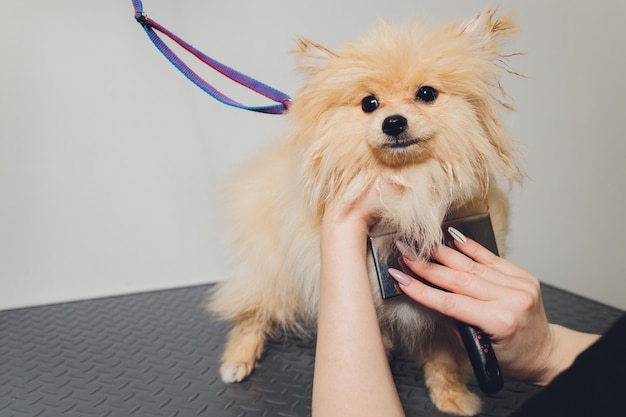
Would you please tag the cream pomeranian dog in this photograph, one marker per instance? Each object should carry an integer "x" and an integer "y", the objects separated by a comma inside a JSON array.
[{"x": 416, "y": 106}]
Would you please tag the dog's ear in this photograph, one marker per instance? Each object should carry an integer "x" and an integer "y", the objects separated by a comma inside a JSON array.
[
  {"x": 311, "y": 56},
  {"x": 486, "y": 29}
]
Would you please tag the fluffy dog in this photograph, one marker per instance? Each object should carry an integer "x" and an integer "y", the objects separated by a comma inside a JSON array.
[{"x": 416, "y": 105}]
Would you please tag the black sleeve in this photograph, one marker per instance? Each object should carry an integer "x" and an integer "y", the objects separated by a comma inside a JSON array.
[{"x": 595, "y": 384}]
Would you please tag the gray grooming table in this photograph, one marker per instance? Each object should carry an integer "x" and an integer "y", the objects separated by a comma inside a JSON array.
[{"x": 157, "y": 354}]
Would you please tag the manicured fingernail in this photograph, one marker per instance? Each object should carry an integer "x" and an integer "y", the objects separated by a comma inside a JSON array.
[
  {"x": 406, "y": 251},
  {"x": 401, "y": 277},
  {"x": 458, "y": 236}
]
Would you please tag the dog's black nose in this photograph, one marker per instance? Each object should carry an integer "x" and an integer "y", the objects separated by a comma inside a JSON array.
[{"x": 395, "y": 125}]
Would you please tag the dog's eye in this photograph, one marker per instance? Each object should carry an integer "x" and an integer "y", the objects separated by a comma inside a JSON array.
[
  {"x": 426, "y": 94},
  {"x": 369, "y": 104}
]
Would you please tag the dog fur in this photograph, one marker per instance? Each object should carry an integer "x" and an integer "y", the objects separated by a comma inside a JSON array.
[{"x": 448, "y": 160}]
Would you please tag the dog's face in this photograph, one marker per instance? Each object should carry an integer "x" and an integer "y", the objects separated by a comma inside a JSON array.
[
  {"x": 399, "y": 125},
  {"x": 409, "y": 121},
  {"x": 401, "y": 98}
]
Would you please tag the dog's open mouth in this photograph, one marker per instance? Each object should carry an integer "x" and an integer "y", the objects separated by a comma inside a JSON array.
[{"x": 397, "y": 143}]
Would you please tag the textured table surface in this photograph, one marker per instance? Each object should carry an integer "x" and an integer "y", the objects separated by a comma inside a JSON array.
[{"x": 157, "y": 354}]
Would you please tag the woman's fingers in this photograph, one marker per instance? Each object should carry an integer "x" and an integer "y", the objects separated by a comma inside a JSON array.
[
  {"x": 480, "y": 255},
  {"x": 458, "y": 306},
  {"x": 455, "y": 280},
  {"x": 473, "y": 269},
  {"x": 459, "y": 262}
]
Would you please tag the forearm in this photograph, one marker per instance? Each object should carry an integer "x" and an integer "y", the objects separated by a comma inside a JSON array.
[{"x": 352, "y": 374}]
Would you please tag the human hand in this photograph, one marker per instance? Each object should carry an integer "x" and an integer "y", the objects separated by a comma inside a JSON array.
[
  {"x": 364, "y": 210},
  {"x": 501, "y": 299}
]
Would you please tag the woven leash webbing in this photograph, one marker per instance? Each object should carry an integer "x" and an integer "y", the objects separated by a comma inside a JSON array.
[{"x": 151, "y": 27}]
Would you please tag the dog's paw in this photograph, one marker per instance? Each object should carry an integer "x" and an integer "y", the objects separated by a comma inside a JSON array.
[
  {"x": 232, "y": 372},
  {"x": 460, "y": 402}
]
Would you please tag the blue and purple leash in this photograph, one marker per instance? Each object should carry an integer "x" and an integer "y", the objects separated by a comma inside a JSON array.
[{"x": 150, "y": 26}]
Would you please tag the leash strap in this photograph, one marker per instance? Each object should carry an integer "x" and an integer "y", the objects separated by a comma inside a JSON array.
[{"x": 150, "y": 26}]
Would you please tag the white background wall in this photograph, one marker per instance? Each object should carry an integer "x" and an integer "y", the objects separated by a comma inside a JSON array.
[{"x": 110, "y": 160}]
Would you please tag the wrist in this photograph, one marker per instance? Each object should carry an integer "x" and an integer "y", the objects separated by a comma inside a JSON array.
[
  {"x": 343, "y": 238},
  {"x": 547, "y": 364},
  {"x": 346, "y": 225},
  {"x": 562, "y": 350}
]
